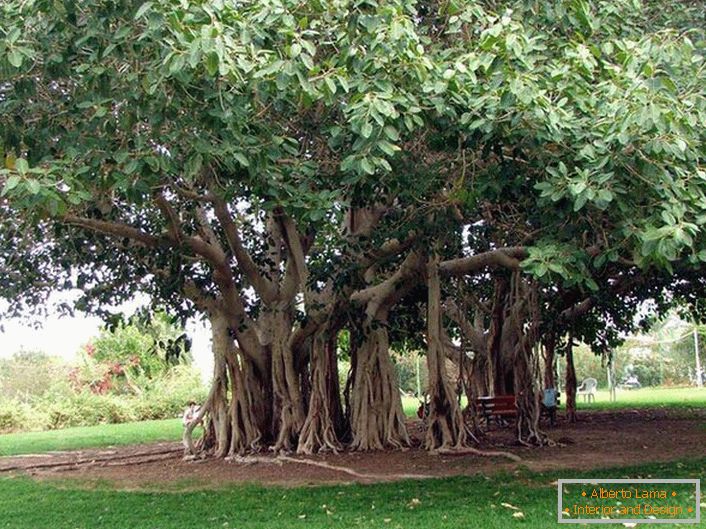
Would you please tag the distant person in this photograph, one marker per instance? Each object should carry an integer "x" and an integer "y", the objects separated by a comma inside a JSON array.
[
  {"x": 190, "y": 413},
  {"x": 550, "y": 401}
]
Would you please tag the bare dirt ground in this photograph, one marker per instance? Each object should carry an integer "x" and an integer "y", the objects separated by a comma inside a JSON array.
[{"x": 600, "y": 439}]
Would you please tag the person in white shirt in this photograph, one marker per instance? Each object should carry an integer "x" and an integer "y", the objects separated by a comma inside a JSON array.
[{"x": 190, "y": 413}]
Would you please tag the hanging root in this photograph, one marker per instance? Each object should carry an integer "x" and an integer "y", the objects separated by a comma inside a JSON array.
[
  {"x": 286, "y": 384},
  {"x": 325, "y": 413},
  {"x": 377, "y": 419},
  {"x": 245, "y": 404},
  {"x": 446, "y": 425},
  {"x": 524, "y": 305}
]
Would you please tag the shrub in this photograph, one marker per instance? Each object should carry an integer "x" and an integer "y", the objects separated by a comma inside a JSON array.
[
  {"x": 15, "y": 415},
  {"x": 63, "y": 407}
]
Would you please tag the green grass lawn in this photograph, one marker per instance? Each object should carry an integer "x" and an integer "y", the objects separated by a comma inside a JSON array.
[
  {"x": 460, "y": 502},
  {"x": 90, "y": 437},
  {"x": 170, "y": 430},
  {"x": 685, "y": 398}
]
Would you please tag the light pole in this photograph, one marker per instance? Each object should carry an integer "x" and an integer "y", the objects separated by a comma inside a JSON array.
[{"x": 699, "y": 382}]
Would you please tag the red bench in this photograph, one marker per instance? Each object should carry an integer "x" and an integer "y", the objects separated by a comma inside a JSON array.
[{"x": 497, "y": 408}]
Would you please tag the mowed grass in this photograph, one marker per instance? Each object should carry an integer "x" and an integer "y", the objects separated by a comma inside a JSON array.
[
  {"x": 675, "y": 398},
  {"x": 460, "y": 502},
  {"x": 104, "y": 435}
]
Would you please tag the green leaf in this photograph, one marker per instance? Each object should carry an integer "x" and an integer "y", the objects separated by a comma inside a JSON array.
[
  {"x": 387, "y": 147},
  {"x": 15, "y": 58},
  {"x": 605, "y": 194},
  {"x": 22, "y": 166},
  {"x": 143, "y": 9},
  {"x": 366, "y": 166},
  {"x": 12, "y": 182},
  {"x": 331, "y": 84},
  {"x": 242, "y": 160},
  {"x": 580, "y": 202},
  {"x": 590, "y": 283},
  {"x": 14, "y": 35},
  {"x": 366, "y": 130},
  {"x": 391, "y": 132},
  {"x": 212, "y": 63},
  {"x": 33, "y": 186},
  {"x": 344, "y": 83}
]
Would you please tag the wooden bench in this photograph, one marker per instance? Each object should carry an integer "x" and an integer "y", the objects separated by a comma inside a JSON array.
[
  {"x": 502, "y": 407},
  {"x": 497, "y": 408}
]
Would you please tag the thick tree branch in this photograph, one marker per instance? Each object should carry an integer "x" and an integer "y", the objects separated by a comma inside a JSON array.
[
  {"x": 116, "y": 229},
  {"x": 476, "y": 338},
  {"x": 265, "y": 288},
  {"x": 391, "y": 289},
  {"x": 501, "y": 257}
]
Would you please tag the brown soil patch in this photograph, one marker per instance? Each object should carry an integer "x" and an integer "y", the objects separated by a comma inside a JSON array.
[{"x": 600, "y": 439}]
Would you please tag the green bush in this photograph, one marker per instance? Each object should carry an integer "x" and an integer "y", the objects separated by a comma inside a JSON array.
[
  {"x": 63, "y": 407},
  {"x": 16, "y": 416}
]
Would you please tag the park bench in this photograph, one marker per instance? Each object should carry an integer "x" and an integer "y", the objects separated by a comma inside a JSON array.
[
  {"x": 496, "y": 408},
  {"x": 502, "y": 407}
]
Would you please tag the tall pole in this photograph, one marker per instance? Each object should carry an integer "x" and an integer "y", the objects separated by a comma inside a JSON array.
[
  {"x": 419, "y": 380},
  {"x": 699, "y": 382}
]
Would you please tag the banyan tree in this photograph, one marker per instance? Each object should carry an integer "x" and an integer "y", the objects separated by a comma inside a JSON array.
[{"x": 477, "y": 177}]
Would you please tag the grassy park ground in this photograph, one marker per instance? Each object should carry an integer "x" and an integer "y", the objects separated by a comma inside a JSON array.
[
  {"x": 460, "y": 502},
  {"x": 661, "y": 434}
]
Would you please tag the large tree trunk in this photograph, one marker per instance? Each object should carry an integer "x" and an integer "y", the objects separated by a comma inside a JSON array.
[
  {"x": 446, "y": 427},
  {"x": 377, "y": 418},
  {"x": 324, "y": 425},
  {"x": 522, "y": 323},
  {"x": 249, "y": 408},
  {"x": 236, "y": 411},
  {"x": 570, "y": 382},
  {"x": 527, "y": 398},
  {"x": 288, "y": 399}
]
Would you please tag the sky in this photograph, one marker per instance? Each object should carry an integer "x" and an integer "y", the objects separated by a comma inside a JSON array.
[{"x": 64, "y": 336}]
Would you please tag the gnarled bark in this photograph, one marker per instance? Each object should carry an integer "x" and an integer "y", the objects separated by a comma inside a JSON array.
[
  {"x": 446, "y": 427},
  {"x": 570, "y": 382},
  {"x": 325, "y": 424},
  {"x": 234, "y": 411},
  {"x": 288, "y": 400},
  {"x": 377, "y": 419}
]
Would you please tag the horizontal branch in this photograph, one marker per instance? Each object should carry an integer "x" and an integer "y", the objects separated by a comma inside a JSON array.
[
  {"x": 116, "y": 229},
  {"x": 501, "y": 257}
]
